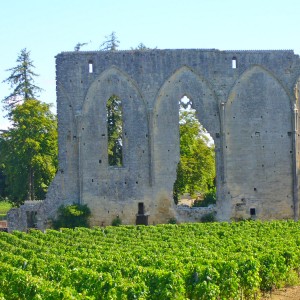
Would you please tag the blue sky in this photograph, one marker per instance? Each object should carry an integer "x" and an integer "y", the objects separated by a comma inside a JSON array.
[{"x": 48, "y": 27}]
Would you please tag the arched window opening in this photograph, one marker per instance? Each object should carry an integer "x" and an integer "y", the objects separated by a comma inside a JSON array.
[
  {"x": 234, "y": 63},
  {"x": 195, "y": 182},
  {"x": 91, "y": 67},
  {"x": 114, "y": 131}
]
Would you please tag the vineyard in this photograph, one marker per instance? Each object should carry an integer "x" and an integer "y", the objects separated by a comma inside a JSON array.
[{"x": 187, "y": 261}]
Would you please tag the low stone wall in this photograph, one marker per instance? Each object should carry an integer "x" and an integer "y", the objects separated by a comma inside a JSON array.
[
  {"x": 18, "y": 218},
  {"x": 185, "y": 214}
]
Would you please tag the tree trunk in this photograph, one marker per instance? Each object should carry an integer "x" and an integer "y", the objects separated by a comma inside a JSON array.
[{"x": 31, "y": 184}]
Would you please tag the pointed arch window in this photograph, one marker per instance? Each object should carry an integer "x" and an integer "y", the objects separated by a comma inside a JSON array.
[
  {"x": 196, "y": 167},
  {"x": 114, "y": 131}
]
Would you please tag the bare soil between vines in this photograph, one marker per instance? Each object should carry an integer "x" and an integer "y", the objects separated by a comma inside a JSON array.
[{"x": 290, "y": 293}]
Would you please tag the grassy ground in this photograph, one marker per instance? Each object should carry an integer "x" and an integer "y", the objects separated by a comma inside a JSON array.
[{"x": 4, "y": 208}]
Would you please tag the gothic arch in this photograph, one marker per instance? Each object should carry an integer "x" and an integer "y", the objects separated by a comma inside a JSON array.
[
  {"x": 111, "y": 81},
  {"x": 93, "y": 131},
  {"x": 254, "y": 69},
  {"x": 183, "y": 82},
  {"x": 259, "y": 142},
  {"x": 258, "y": 91}
]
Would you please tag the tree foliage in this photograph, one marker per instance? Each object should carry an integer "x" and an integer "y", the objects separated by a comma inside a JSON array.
[
  {"x": 196, "y": 168},
  {"x": 114, "y": 131},
  {"x": 209, "y": 198},
  {"x": 141, "y": 47},
  {"x": 79, "y": 45},
  {"x": 28, "y": 151},
  {"x": 2, "y": 180},
  {"x": 111, "y": 43},
  {"x": 71, "y": 216},
  {"x": 21, "y": 81}
]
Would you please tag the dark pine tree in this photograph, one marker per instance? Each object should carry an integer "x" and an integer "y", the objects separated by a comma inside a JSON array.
[
  {"x": 111, "y": 43},
  {"x": 21, "y": 81}
]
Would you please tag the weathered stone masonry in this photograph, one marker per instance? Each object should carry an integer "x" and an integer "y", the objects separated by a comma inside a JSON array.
[{"x": 247, "y": 101}]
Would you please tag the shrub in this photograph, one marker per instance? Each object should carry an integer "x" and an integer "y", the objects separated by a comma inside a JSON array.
[
  {"x": 172, "y": 221},
  {"x": 116, "y": 221},
  {"x": 71, "y": 216},
  {"x": 209, "y": 198},
  {"x": 208, "y": 218}
]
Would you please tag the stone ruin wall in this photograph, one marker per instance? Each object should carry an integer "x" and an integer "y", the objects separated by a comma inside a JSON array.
[{"x": 250, "y": 111}]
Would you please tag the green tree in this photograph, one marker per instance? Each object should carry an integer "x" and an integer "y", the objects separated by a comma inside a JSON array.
[
  {"x": 21, "y": 81},
  {"x": 28, "y": 151},
  {"x": 196, "y": 168},
  {"x": 114, "y": 131},
  {"x": 111, "y": 43}
]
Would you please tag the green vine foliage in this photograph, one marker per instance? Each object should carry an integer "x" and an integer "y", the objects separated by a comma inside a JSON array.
[
  {"x": 71, "y": 216},
  {"x": 203, "y": 261}
]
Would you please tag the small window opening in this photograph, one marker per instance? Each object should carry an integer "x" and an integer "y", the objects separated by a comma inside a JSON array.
[
  {"x": 141, "y": 208},
  {"x": 141, "y": 218},
  {"x": 114, "y": 131},
  {"x": 252, "y": 212},
  {"x": 31, "y": 218},
  {"x": 234, "y": 63},
  {"x": 91, "y": 67}
]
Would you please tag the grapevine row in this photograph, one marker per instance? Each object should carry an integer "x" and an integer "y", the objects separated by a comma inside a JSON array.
[{"x": 187, "y": 261}]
